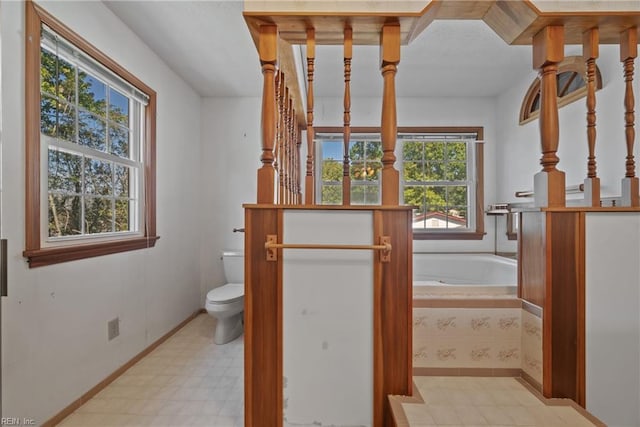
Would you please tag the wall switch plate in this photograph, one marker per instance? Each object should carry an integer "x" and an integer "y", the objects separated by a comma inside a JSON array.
[{"x": 113, "y": 327}]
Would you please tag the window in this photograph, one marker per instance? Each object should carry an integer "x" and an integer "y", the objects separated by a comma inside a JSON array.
[
  {"x": 365, "y": 154},
  {"x": 90, "y": 149},
  {"x": 571, "y": 87},
  {"x": 441, "y": 174}
]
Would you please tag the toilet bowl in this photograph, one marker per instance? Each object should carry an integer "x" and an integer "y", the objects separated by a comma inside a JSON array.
[{"x": 226, "y": 303}]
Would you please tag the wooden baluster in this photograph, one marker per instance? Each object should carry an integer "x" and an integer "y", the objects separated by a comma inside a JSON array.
[
  {"x": 590, "y": 52},
  {"x": 268, "y": 52},
  {"x": 281, "y": 137},
  {"x": 548, "y": 51},
  {"x": 289, "y": 122},
  {"x": 390, "y": 58},
  {"x": 346, "y": 173},
  {"x": 285, "y": 153},
  {"x": 298, "y": 162},
  {"x": 277, "y": 163},
  {"x": 628, "y": 54},
  {"x": 292, "y": 144},
  {"x": 309, "y": 179}
]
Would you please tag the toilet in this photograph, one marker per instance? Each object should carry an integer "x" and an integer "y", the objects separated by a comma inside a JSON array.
[{"x": 226, "y": 303}]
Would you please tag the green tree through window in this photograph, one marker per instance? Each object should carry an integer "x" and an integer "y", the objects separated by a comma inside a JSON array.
[
  {"x": 440, "y": 168},
  {"x": 87, "y": 124}
]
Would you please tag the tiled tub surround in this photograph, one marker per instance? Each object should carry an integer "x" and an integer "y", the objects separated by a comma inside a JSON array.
[
  {"x": 490, "y": 333},
  {"x": 467, "y": 338},
  {"x": 532, "y": 346}
]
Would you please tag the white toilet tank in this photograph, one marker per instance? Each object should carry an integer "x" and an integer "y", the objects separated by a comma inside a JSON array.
[{"x": 233, "y": 264}]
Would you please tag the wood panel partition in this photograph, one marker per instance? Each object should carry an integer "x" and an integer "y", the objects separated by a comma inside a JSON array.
[
  {"x": 392, "y": 308},
  {"x": 551, "y": 276}
]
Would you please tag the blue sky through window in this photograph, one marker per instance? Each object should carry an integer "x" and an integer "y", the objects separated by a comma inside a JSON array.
[{"x": 332, "y": 150}]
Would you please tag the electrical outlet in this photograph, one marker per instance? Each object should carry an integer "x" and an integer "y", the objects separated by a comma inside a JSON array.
[{"x": 113, "y": 327}]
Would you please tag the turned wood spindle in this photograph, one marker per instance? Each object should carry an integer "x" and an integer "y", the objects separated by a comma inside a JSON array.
[
  {"x": 281, "y": 137},
  {"x": 287, "y": 136},
  {"x": 390, "y": 58},
  {"x": 289, "y": 150},
  {"x": 590, "y": 52},
  {"x": 346, "y": 173},
  {"x": 298, "y": 163},
  {"x": 548, "y": 51},
  {"x": 277, "y": 162},
  {"x": 628, "y": 54},
  {"x": 309, "y": 180},
  {"x": 268, "y": 52}
]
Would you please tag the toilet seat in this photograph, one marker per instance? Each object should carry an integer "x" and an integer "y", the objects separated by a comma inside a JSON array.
[{"x": 231, "y": 292}]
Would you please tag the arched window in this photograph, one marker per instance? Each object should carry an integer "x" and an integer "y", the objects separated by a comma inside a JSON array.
[{"x": 572, "y": 86}]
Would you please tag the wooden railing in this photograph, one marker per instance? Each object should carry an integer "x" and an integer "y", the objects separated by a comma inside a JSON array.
[{"x": 279, "y": 176}]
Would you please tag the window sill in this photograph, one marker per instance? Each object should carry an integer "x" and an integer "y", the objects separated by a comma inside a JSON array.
[
  {"x": 448, "y": 235},
  {"x": 49, "y": 256}
]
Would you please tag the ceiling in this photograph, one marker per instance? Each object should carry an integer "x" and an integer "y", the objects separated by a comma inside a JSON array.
[{"x": 208, "y": 44}]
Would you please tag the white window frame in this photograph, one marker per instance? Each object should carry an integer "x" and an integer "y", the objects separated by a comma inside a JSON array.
[{"x": 470, "y": 183}]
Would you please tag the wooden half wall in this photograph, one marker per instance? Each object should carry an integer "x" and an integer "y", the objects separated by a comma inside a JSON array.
[
  {"x": 551, "y": 276},
  {"x": 392, "y": 311}
]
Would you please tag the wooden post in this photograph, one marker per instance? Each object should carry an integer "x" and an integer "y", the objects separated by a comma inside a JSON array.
[
  {"x": 548, "y": 51},
  {"x": 309, "y": 180},
  {"x": 346, "y": 172},
  {"x": 628, "y": 54},
  {"x": 590, "y": 52},
  {"x": 268, "y": 51},
  {"x": 390, "y": 58}
]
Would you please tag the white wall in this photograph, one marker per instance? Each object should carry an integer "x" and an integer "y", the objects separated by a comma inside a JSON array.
[
  {"x": 54, "y": 322},
  {"x": 612, "y": 319},
  {"x": 230, "y": 158}
]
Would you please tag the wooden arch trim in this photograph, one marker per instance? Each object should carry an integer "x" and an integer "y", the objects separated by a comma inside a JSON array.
[{"x": 571, "y": 63}]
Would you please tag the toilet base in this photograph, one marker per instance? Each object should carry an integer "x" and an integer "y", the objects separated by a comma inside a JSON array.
[{"x": 228, "y": 329}]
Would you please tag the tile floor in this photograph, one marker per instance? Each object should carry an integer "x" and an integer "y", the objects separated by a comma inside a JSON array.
[
  {"x": 484, "y": 401},
  {"x": 186, "y": 381},
  {"x": 189, "y": 381}
]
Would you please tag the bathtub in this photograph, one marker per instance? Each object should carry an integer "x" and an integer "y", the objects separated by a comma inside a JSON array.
[{"x": 461, "y": 274}]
